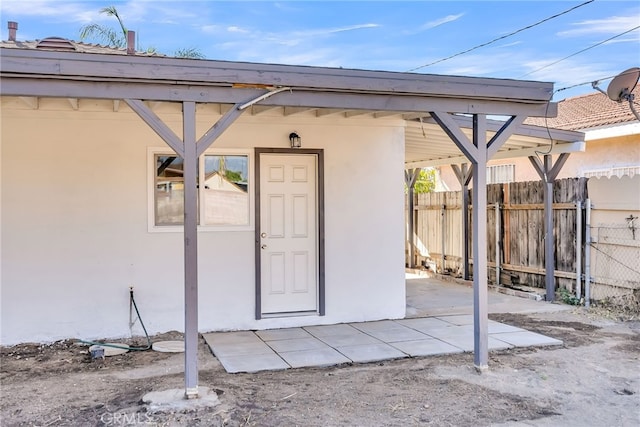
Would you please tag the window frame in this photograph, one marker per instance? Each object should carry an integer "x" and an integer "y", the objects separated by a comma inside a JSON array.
[
  {"x": 152, "y": 152},
  {"x": 510, "y": 167}
]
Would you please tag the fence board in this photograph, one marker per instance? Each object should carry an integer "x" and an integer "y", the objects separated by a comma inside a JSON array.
[{"x": 521, "y": 236}]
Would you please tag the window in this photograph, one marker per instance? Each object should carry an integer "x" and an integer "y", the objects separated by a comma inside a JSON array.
[
  {"x": 501, "y": 174},
  {"x": 223, "y": 191}
]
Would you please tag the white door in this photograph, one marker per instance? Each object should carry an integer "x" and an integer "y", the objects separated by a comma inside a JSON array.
[{"x": 288, "y": 233}]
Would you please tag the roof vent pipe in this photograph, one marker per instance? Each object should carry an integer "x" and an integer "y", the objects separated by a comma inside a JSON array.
[
  {"x": 131, "y": 42},
  {"x": 13, "y": 30}
]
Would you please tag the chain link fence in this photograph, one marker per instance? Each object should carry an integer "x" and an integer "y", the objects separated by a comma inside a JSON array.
[{"x": 615, "y": 267}]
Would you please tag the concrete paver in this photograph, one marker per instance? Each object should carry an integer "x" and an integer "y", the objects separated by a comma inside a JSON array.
[
  {"x": 444, "y": 326},
  {"x": 282, "y": 334},
  {"x": 426, "y": 347},
  {"x": 316, "y": 357},
  {"x": 371, "y": 352},
  {"x": 253, "y": 363},
  {"x": 297, "y": 344},
  {"x": 526, "y": 339}
]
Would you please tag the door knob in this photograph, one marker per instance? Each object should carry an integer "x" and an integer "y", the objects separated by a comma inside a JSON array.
[
  {"x": 264, "y": 246},
  {"x": 263, "y": 235}
]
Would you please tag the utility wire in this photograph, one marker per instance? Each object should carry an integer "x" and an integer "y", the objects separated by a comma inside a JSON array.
[
  {"x": 500, "y": 38},
  {"x": 580, "y": 51},
  {"x": 590, "y": 83}
]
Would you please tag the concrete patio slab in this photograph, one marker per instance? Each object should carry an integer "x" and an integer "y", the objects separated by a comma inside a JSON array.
[
  {"x": 238, "y": 349},
  {"x": 424, "y": 323},
  {"x": 282, "y": 334},
  {"x": 380, "y": 325},
  {"x": 496, "y": 328},
  {"x": 395, "y": 335},
  {"x": 316, "y": 357},
  {"x": 297, "y": 344},
  {"x": 443, "y": 328},
  {"x": 331, "y": 330},
  {"x": 526, "y": 339},
  {"x": 458, "y": 320},
  {"x": 426, "y": 347},
  {"x": 231, "y": 337},
  {"x": 253, "y": 363},
  {"x": 359, "y": 338},
  {"x": 371, "y": 352}
]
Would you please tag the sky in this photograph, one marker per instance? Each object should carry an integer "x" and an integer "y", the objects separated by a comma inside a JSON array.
[{"x": 373, "y": 35}]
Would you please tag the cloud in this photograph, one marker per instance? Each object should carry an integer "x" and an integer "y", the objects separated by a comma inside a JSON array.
[
  {"x": 611, "y": 25},
  {"x": 349, "y": 28},
  {"x": 235, "y": 29},
  {"x": 65, "y": 12},
  {"x": 436, "y": 23}
]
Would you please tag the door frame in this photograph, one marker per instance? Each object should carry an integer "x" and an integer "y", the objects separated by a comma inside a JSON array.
[{"x": 319, "y": 153}]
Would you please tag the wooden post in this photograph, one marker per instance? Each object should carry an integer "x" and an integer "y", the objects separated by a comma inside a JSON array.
[
  {"x": 190, "y": 174},
  {"x": 479, "y": 152},
  {"x": 548, "y": 173},
  {"x": 410, "y": 177},
  {"x": 464, "y": 175}
]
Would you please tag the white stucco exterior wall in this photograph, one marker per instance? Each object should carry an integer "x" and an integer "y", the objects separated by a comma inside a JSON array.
[{"x": 75, "y": 231}]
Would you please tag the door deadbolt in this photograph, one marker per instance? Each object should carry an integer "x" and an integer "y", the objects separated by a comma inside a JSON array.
[{"x": 263, "y": 235}]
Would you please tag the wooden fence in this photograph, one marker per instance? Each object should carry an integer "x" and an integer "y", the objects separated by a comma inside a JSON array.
[{"x": 516, "y": 240}]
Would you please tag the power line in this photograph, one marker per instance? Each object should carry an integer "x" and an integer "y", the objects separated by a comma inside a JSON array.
[
  {"x": 500, "y": 38},
  {"x": 580, "y": 51},
  {"x": 590, "y": 83}
]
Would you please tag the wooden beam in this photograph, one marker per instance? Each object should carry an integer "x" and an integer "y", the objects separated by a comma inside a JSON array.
[
  {"x": 190, "y": 157},
  {"x": 218, "y": 128},
  {"x": 157, "y": 125},
  {"x": 504, "y": 133},
  {"x": 298, "y": 98},
  {"x": 453, "y": 130},
  {"x": 183, "y": 71}
]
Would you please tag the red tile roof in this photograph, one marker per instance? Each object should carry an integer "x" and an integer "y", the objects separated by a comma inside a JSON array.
[{"x": 589, "y": 111}]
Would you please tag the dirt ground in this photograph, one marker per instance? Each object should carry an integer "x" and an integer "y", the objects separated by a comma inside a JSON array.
[{"x": 592, "y": 380}]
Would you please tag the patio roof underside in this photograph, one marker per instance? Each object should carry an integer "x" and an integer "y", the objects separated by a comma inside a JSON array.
[{"x": 311, "y": 91}]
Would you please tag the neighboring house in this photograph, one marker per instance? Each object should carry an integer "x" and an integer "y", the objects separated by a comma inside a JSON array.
[
  {"x": 94, "y": 196},
  {"x": 612, "y": 136}
]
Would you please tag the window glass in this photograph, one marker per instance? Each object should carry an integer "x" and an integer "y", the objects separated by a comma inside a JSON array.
[
  {"x": 225, "y": 194},
  {"x": 169, "y": 190}
]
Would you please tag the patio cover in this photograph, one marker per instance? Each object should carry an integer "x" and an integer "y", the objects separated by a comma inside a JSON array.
[{"x": 240, "y": 87}]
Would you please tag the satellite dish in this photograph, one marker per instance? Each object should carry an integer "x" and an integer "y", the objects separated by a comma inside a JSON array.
[
  {"x": 621, "y": 87},
  {"x": 623, "y": 84}
]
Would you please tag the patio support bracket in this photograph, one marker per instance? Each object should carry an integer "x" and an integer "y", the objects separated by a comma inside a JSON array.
[
  {"x": 410, "y": 178},
  {"x": 548, "y": 173},
  {"x": 464, "y": 174},
  {"x": 190, "y": 150},
  {"x": 479, "y": 151}
]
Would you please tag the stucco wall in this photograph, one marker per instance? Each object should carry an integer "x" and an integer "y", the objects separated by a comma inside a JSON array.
[
  {"x": 619, "y": 151},
  {"x": 75, "y": 223}
]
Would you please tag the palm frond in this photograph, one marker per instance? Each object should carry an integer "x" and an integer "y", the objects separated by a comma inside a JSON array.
[
  {"x": 102, "y": 34},
  {"x": 190, "y": 53},
  {"x": 112, "y": 11}
]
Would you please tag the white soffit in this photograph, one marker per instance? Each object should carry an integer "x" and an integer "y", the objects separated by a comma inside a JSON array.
[{"x": 426, "y": 144}]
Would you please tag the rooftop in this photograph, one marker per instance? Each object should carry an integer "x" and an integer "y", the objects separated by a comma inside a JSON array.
[
  {"x": 66, "y": 45},
  {"x": 588, "y": 112}
]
